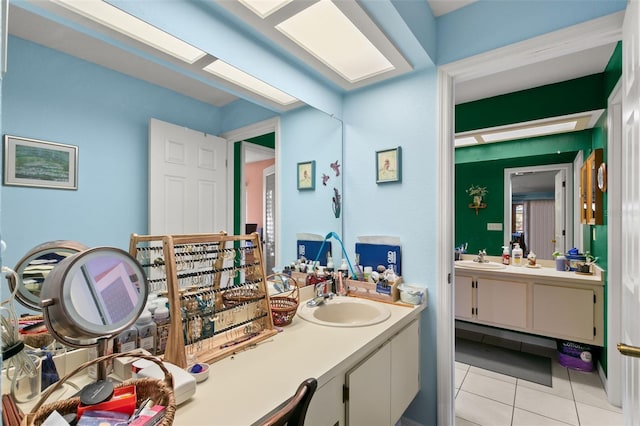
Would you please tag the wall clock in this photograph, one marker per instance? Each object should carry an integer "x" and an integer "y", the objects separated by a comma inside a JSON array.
[{"x": 602, "y": 177}]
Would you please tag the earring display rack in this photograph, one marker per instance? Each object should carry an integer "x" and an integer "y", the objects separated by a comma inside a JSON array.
[{"x": 217, "y": 292}]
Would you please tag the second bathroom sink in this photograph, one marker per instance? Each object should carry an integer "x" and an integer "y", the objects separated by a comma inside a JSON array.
[{"x": 477, "y": 265}]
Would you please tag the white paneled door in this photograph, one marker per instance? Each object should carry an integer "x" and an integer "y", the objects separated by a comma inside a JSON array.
[
  {"x": 630, "y": 241},
  {"x": 187, "y": 180}
]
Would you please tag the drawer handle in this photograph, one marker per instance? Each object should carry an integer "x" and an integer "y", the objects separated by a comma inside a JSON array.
[{"x": 627, "y": 350}]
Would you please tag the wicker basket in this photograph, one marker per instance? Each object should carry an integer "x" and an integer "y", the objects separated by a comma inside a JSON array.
[
  {"x": 160, "y": 391},
  {"x": 284, "y": 305},
  {"x": 239, "y": 295},
  {"x": 35, "y": 340}
]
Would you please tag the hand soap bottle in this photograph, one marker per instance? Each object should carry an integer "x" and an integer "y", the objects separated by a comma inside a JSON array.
[
  {"x": 516, "y": 255},
  {"x": 506, "y": 257}
]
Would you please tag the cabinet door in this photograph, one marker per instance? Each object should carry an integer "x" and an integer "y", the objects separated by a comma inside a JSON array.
[
  {"x": 502, "y": 302},
  {"x": 325, "y": 408},
  {"x": 405, "y": 369},
  {"x": 369, "y": 390},
  {"x": 564, "y": 312},
  {"x": 464, "y": 297}
]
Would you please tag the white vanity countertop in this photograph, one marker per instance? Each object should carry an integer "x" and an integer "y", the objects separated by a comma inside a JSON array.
[
  {"x": 546, "y": 271},
  {"x": 245, "y": 387}
]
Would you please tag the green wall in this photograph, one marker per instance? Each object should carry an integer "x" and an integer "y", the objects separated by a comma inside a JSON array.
[{"x": 568, "y": 97}]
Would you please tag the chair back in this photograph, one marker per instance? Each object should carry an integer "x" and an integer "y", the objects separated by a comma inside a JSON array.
[{"x": 295, "y": 409}]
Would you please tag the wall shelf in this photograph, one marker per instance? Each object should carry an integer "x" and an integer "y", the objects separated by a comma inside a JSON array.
[{"x": 477, "y": 207}]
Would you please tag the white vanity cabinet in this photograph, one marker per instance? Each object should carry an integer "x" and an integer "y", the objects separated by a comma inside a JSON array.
[
  {"x": 543, "y": 301},
  {"x": 374, "y": 391},
  {"x": 501, "y": 302},
  {"x": 326, "y": 408},
  {"x": 570, "y": 312},
  {"x": 382, "y": 386},
  {"x": 464, "y": 297}
]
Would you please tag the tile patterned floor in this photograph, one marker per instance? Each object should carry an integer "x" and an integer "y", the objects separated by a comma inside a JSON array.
[{"x": 486, "y": 398}]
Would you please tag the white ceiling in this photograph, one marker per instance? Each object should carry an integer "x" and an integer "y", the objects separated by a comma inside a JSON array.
[
  {"x": 197, "y": 84},
  {"x": 543, "y": 182}
]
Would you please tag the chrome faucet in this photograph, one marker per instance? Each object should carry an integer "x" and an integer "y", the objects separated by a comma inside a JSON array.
[
  {"x": 481, "y": 255},
  {"x": 321, "y": 296}
]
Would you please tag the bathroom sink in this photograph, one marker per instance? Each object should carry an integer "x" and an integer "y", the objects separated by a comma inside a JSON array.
[
  {"x": 477, "y": 265},
  {"x": 345, "y": 312}
]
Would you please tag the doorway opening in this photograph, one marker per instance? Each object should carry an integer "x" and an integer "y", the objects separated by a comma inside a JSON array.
[
  {"x": 259, "y": 143},
  {"x": 513, "y": 56}
]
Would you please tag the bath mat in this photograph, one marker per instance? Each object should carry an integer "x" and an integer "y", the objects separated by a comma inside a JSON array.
[{"x": 522, "y": 365}]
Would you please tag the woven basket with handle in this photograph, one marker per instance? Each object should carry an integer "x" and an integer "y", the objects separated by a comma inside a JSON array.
[
  {"x": 159, "y": 391},
  {"x": 284, "y": 305}
]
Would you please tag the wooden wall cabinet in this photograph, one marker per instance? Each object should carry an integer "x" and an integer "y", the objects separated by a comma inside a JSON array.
[{"x": 591, "y": 210}]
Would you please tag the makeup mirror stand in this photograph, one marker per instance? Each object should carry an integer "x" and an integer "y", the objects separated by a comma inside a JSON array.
[{"x": 102, "y": 351}]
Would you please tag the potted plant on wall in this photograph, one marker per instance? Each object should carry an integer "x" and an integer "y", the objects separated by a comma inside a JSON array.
[{"x": 477, "y": 192}]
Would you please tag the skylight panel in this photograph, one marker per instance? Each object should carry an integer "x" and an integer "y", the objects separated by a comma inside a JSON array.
[
  {"x": 326, "y": 33},
  {"x": 242, "y": 79},
  {"x": 114, "y": 18}
]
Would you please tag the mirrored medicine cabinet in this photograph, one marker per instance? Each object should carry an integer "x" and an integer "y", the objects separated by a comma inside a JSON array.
[{"x": 591, "y": 189}]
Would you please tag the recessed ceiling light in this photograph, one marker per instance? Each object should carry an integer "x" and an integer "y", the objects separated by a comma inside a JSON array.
[
  {"x": 264, "y": 8},
  {"x": 242, "y": 79},
  {"x": 528, "y": 132},
  {"x": 114, "y": 18},
  {"x": 326, "y": 33}
]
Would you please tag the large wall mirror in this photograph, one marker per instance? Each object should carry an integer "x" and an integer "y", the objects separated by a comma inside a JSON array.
[
  {"x": 67, "y": 33},
  {"x": 539, "y": 208}
]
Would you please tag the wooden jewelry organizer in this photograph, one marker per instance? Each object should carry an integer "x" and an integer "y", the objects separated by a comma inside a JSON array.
[{"x": 217, "y": 291}]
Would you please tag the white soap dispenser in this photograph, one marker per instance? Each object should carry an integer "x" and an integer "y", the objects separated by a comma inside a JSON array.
[
  {"x": 516, "y": 255},
  {"x": 506, "y": 257}
]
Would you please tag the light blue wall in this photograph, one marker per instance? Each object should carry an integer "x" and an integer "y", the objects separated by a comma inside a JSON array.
[
  {"x": 489, "y": 24},
  {"x": 241, "y": 113},
  {"x": 305, "y": 135},
  {"x": 401, "y": 113}
]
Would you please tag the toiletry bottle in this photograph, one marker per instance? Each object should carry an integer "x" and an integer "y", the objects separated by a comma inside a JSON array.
[
  {"x": 516, "y": 255},
  {"x": 329, "y": 263},
  {"x": 505, "y": 255},
  {"x": 161, "y": 318},
  {"x": 127, "y": 340},
  {"x": 146, "y": 332}
]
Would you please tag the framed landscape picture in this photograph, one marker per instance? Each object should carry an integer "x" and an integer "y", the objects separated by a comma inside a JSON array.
[{"x": 36, "y": 163}]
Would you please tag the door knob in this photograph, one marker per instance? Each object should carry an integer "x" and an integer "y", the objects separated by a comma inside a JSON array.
[{"x": 627, "y": 350}]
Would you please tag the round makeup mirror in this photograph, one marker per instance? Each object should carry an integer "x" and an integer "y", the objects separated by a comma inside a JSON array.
[
  {"x": 35, "y": 266},
  {"x": 93, "y": 295}
]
